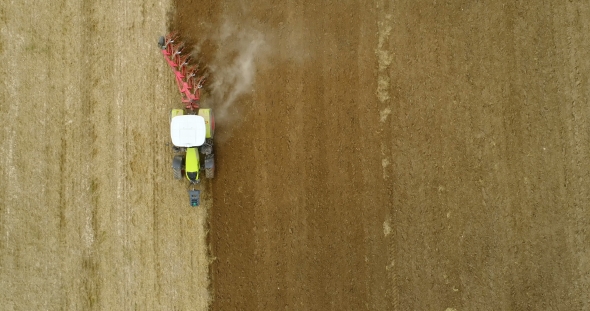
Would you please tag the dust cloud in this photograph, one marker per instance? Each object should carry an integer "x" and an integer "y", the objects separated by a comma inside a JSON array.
[{"x": 232, "y": 69}]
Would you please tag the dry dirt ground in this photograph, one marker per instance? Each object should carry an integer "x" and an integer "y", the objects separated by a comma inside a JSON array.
[
  {"x": 402, "y": 155},
  {"x": 90, "y": 216}
]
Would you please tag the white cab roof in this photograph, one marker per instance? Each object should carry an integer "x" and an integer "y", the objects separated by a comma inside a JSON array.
[{"x": 187, "y": 131}]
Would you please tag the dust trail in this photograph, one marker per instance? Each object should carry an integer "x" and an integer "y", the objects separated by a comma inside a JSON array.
[{"x": 240, "y": 50}]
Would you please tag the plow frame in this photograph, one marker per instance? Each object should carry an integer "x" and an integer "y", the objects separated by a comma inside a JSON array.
[{"x": 188, "y": 81}]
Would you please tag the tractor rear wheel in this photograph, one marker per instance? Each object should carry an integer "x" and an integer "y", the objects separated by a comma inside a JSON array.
[
  {"x": 207, "y": 114},
  {"x": 209, "y": 172},
  {"x": 177, "y": 167},
  {"x": 207, "y": 148}
]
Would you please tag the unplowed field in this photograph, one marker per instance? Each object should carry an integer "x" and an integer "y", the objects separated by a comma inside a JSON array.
[{"x": 90, "y": 216}]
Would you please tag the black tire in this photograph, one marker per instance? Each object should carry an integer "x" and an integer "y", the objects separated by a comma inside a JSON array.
[
  {"x": 177, "y": 167},
  {"x": 206, "y": 149},
  {"x": 161, "y": 42},
  {"x": 209, "y": 166},
  {"x": 209, "y": 172}
]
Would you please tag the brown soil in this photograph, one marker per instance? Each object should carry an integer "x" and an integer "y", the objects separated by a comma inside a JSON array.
[{"x": 407, "y": 155}]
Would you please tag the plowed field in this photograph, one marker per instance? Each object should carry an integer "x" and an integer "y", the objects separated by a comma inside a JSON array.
[{"x": 401, "y": 155}]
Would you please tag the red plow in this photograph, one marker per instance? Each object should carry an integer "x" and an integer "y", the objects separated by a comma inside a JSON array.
[{"x": 187, "y": 77}]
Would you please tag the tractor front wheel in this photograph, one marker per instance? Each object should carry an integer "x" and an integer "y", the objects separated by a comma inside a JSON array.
[
  {"x": 177, "y": 167},
  {"x": 209, "y": 166}
]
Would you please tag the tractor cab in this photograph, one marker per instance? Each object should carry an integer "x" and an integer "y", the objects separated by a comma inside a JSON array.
[{"x": 188, "y": 131}]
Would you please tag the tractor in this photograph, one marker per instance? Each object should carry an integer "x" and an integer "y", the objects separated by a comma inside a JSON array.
[{"x": 191, "y": 127}]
